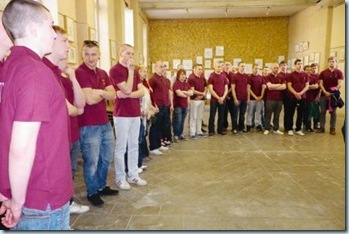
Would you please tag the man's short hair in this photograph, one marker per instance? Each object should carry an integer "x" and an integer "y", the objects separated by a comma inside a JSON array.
[
  {"x": 123, "y": 47},
  {"x": 297, "y": 61},
  {"x": 197, "y": 65},
  {"x": 282, "y": 62},
  {"x": 332, "y": 58},
  {"x": 90, "y": 43},
  {"x": 18, "y": 13},
  {"x": 59, "y": 29},
  {"x": 314, "y": 65}
]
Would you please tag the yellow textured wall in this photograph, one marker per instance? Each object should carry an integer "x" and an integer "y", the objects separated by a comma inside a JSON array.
[{"x": 246, "y": 38}]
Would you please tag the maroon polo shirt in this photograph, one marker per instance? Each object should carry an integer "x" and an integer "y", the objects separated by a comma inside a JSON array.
[
  {"x": 240, "y": 81},
  {"x": 276, "y": 95},
  {"x": 256, "y": 82},
  {"x": 32, "y": 93},
  {"x": 93, "y": 114},
  {"x": 218, "y": 82},
  {"x": 181, "y": 102},
  {"x": 330, "y": 78},
  {"x": 160, "y": 92},
  {"x": 312, "y": 93},
  {"x": 125, "y": 107},
  {"x": 67, "y": 86},
  {"x": 298, "y": 81},
  {"x": 198, "y": 83}
]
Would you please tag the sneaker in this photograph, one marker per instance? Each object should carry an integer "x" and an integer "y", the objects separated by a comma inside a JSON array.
[
  {"x": 163, "y": 148},
  {"x": 144, "y": 167},
  {"x": 266, "y": 132},
  {"x": 259, "y": 128},
  {"x": 290, "y": 133},
  {"x": 167, "y": 143},
  {"x": 193, "y": 137},
  {"x": 222, "y": 133},
  {"x": 176, "y": 138},
  {"x": 278, "y": 132},
  {"x": 300, "y": 133},
  {"x": 156, "y": 152},
  {"x": 76, "y": 208},
  {"x": 107, "y": 191},
  {"x": 137, "y": 180},
  {"x": 320, "y": 130},
  {"x": 235, "y": 131},
  {"x": 182, "y": 138},
  {"x": 248, "y": 128},
  {"x": 95, "y": 200},
  {"x": 201, "y": 135},
  {"x": 211, "y": 134},
  {"x": 139, "y": 170},
  {"x": 122, "y": 184},
  {"x": 310, "y": 130}
]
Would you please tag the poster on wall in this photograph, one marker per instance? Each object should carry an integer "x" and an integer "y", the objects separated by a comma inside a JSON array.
[
  {"x": 208, "y": 53},
  {"x": 70, "y": 27},
  {"x": 305, "y": 45},
  {"x": 199, "y": 59},
  {"x": 236, "y": 62},
  {"x": 208, "y": 63},
  {"x": 317, "y": 58},
  {"x": 281, "y": 58},
  {"x": 187, "y": 64},
  {"x": 259, "y": 62},
  {"x": 216, "y": 60},
  {"x": 341, "y": 54},
  {"x": 306, "y": 60},
  {"x": 175, "y": 63},
  {"x": 311, "y": 57},
  {"x": 219, "y": 51},
  {"x": 248, "y": 68}
]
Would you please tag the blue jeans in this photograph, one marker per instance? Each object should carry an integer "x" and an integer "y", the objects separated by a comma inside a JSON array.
[
  {"x": 33, "y": 219},
  {"x": 239, "y": 111},
  {"x": 74, "y": 155},
  {"x": 213, "y": 109},
  {"x": 158, "y": 128},
  {"x": 179, "y": 115},
  {"x": 97, "y": 145}
]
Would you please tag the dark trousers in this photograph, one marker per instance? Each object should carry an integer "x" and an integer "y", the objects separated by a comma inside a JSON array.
[
  {"x": 272, "y": 107},
  {"x": 228, "y": 109},
  {"x": 294, "y": 104},
  {"x": 213, "y": 109},
  {"x": 239, "y": 112},
  {"x": 158, "y": 128}
]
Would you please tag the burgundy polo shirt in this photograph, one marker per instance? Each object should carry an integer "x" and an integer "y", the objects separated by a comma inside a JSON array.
[
  {"x": 312, "y": 93},
  {"x": 198, "y": 83},
  {"x": 125, "y": 107},
  {"x": 330, "y": 78},
  {"x": 256, "y": 82},
  {"x": 181, "y": 102},
  {"x": 218, "y": 82},
  {"x": 32, "y": 93},
  {"x": 240, "y": 81},
  {"x": 93, "y": 114},
  {"x": 298, "y": 81},
  {"x": 276, "y": 95},
  {"x": 160, "y": 92}
]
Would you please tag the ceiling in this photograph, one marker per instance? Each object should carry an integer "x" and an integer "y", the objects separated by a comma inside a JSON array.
[{"x": 200, "y": 9}]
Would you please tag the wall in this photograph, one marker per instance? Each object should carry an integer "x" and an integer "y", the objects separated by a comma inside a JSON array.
[
  {"x": 324, "y": 29},
  {"x": 246, "y": 38}
]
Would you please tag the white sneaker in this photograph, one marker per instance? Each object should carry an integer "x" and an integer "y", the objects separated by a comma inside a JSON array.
[
  {"x": 300, "y": 133},
  {"x": 122, "y": 184},
  {"x": 266, "y": 132},
  {"x": 137, "y": 180},
  {"x": 144, "y": 167},
  {"x": 156, "y": 152},
  {"x": 76, "y": 208},
  {"x": 278, "y": 132},
  {"x": 163, "y": 148},
  {"x": 290, "y": 133},
  {"x": 140, "y": 170}
]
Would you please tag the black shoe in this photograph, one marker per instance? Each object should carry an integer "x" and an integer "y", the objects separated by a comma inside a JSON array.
[
  {"x": 203, "y": 130},
  {"x": 107, "y": 191},
  {"x": 204, "y": 125},
  {"x": 259, "y": 128},
  {"x": 248, "y": 128},
  {"x": 222, "y": 133},
  {"x": 95, "y": 200},
  {"x": 211, "y": 134}
]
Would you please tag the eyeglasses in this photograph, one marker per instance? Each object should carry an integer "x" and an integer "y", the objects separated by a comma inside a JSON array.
[{"x": 89, "y": 42}]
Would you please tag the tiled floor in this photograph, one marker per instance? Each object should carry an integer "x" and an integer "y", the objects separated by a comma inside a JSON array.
[{"x": 235, "y": 182}]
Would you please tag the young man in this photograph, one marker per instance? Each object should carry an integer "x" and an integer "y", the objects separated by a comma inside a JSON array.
[
  {"x": 297, "y": 85},
  {"x": 35, "y": 172},
  {"x": 312, "y": 95},
  {"x": 255, "y": 94},
  {"x": 218, "y": 87},
  {"x": 239, "y": 91},
  {"x": 96, "y": 133},
  {"x": 127, "y": 113},
  {"x": 330, "y": 80},
  {"x": 276, "y": 84},
  {"x": 75, "y": 100},
  {"x": 197, "y": 102}
]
